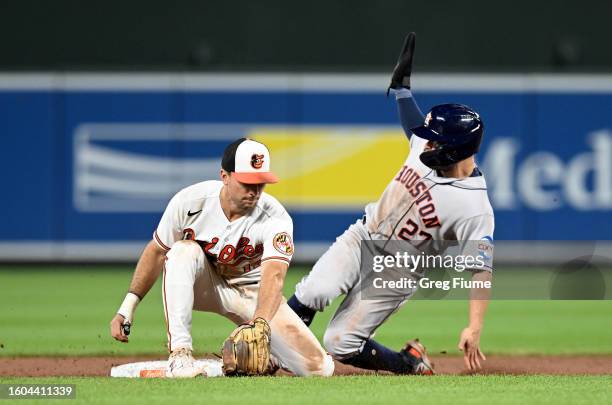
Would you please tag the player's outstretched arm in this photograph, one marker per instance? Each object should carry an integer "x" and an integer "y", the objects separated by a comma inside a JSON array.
[
  {"x": 147, "y": 272},
  {"x": 469, "y": 341},
  {"x": 409, "y": 113},
  {"x": 271, "y": 289},
  {"x": 247, "y": 350}
]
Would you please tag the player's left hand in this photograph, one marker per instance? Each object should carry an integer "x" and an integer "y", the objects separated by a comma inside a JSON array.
[
  {"x": 469, "y": 343},
  {"x": 403, "y": 68},
  {"x": 247, "y": 350}
]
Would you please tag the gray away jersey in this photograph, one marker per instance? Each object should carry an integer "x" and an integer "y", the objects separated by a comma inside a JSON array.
[{"x": 419, "y": 205}]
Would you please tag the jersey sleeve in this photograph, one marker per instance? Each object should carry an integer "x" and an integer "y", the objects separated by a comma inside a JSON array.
[
  {"x": 278, "y": 241},
  {"x": 476, "y": 240},
  {"x": 410, "y": 114},
  {"x": 170, "y": 227}
]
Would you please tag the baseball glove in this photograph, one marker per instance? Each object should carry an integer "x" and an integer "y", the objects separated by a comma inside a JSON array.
[
  {"x": 403, "y": 68},
  {"x": 247, "y": 350}
]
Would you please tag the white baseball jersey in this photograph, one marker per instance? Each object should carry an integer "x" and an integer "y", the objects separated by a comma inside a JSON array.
[
  {"x": 236, "y": 249},
  {"x": 419, "y": 205}
]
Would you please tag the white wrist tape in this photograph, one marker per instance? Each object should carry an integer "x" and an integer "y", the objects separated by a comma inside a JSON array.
[
  {"x": 402, "y": 93},
  {"x": 128, "y": 306}
]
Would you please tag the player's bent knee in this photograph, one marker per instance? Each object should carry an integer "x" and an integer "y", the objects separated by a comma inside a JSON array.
[
  {"x": 341, "y": 344},
  {"x": 185, "y": 248},
  {"x": 316, "y": 298}
]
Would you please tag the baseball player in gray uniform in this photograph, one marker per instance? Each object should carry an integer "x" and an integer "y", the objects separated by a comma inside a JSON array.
[{"x": 438, "y": 194}]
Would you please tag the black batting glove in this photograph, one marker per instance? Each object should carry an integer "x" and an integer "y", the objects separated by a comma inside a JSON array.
[{"x": 403, "y": 69}]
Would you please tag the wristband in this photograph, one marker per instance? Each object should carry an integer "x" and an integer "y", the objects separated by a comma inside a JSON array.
[
  {"x": 402, "y": 93},
  {"x": 128, "y": 306}
]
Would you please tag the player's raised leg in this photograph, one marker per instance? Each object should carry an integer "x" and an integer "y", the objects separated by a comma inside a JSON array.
[{"x": 185, "y": 263}]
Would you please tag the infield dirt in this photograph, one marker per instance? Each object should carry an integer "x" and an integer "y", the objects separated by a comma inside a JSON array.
[{"x": 100, "y": 366}]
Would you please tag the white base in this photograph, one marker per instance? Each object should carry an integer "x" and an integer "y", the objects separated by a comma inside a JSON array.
[{"x": 157, "y": 369}]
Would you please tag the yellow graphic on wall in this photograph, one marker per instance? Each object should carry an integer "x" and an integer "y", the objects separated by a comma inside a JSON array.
[{"x": 332, "y": 167}]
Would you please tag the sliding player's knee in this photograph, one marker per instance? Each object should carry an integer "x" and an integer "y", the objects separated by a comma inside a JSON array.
[
  {"x": 341, "y": 343},
  {"x": 316, "y": 296}
]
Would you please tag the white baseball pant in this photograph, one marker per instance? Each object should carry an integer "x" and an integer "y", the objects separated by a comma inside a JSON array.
[{"x": 191, "y": 283}]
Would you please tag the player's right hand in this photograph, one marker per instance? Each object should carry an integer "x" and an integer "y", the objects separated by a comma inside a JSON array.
[
  {"x": 403, "y": 68},
  {"x": 116, "y": 328},
  {"x": 469, "y": 344}
]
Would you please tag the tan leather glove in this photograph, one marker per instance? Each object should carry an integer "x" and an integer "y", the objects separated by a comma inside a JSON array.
[{"x": 247, "y": 350}]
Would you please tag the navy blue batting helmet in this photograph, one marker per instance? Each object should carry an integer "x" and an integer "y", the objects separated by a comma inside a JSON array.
[{"x": 457, "y": 131}]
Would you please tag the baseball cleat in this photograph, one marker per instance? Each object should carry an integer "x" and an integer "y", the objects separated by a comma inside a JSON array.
[
  {"x": 415, "y": 354},
  {"x": 181, "y": 364}
]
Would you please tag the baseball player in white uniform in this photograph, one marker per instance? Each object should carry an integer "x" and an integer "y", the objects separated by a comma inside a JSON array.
[
  {"x": 224, "y": 247},
  {"x": 438, "y": 194}
]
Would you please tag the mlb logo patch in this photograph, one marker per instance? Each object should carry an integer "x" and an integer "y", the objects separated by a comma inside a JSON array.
[{"x": 283, "y": 243}]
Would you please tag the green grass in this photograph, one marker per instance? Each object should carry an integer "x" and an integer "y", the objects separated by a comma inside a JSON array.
[
  {"x": 342, "y": 390},
  {"x": 66, "y": 311}
]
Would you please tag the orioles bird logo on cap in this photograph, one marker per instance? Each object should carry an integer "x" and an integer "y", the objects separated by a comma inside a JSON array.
[{"x": 257, "y": 161}]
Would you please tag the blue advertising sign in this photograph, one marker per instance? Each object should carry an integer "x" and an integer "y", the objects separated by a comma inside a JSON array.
[{"x": 93, "y": 161}]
